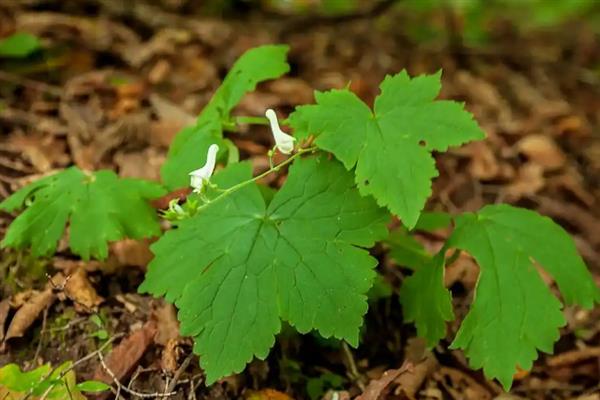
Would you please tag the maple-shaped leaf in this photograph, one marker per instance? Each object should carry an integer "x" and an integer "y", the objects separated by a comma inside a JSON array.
[
  {"x": 390, "y": 146},
  {"x": 100, "y": 207},
  {"x": 239, "y": 267},
  {"x": 189, "y": 148},
  {"x": 514, "y": 314}
]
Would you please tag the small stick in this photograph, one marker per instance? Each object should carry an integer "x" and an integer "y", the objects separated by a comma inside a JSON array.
[{"x": 126, "y": 390}]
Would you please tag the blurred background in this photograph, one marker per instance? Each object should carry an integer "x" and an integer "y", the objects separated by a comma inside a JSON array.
[{"x": 109, "y": 83}]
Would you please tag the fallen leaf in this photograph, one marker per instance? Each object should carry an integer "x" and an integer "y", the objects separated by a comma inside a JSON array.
[
  {"x": 460, "y": 386},
  {"x": 424, "y": 364},
  {"x": 573, "y": 183},
  {"x": 543, "y": 151},
  {"x": 573, "y": 357},
  {"x": 171, "y": 119},
  {"x": 337, "y": 395},
  {"x": 291, "y": 91},
  {"x": 4, "y": 309},
  {"x": 464, "y": 270},
  {"x": 483, "y": 165},
  {"x": 529, "y": 181},
  {"x": 21, "y": 298},
  {"x": 143, "y": 164},
  {"x": 130, "y": 252},
  {"x": 169, "y": 111},
  {"x": 67, "y": 266},
  {"x": 267, "y": 394},
  {"x": 79, "y": 289},
  {"x": 377, "y": 387},
  {"x": 159, "y": 72},
  {"x": 169, "y": 356},
  {"x": 167, "y": 324},
  {"x": 43, "y": 151},
  {"x": 125, "y": 356},
  {"x": 29, "y": 312}
]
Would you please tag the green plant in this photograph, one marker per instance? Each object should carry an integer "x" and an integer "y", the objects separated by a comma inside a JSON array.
[
  {"x": 243, "y": 258},
  {"x": 19, "y": 45},
  {"x": 45, "y": 382}
]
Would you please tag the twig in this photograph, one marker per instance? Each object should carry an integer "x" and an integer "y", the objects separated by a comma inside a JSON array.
[
  {"x": 68, "y": 325},
  {"x": 125, "y": 389},
  {"x": 26, "y": 82},
  {"x": 179, "y": 371},
  {"x": 42, "y": 334},
  {"x": 354, "y": 373}
]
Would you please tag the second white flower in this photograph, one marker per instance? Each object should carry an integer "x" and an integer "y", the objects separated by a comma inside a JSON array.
[{"x": 283, "y": 141}]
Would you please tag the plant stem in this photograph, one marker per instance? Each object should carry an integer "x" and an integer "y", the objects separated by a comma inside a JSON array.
[
  {"x": 252, "y": 120},
  {"x": 274, "y": 168},
  {"x": 257, "y": 121}
]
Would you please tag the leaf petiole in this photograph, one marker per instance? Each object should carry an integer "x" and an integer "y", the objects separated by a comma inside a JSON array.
[{"x": 275, "y": 168}]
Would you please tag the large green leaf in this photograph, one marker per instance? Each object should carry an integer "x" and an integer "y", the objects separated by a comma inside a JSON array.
[
  {"x": 513, "y": 312},
  {"x": 239, "y": 267},
  {"x": 390, "y": 147},
  {"x": 100, "y": 206}
]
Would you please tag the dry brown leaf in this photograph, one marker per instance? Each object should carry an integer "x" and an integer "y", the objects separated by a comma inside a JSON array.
[
  {"x": 378, "y": 387},
  {"x": 125, "y": 356},
  {"x": 162, "y": 133},
  {"x": 29, "y": 312},
  {"x": 461, "y": 386},
  {"x": 573, "y": 183},
  {"x": 167, "y": 324},
  {"x": 291, "y": 91},
  {"x": 169, "y": 111},
  {"x": 543, "y": 151},
  {"x": 424, "y": 364},
  {"x": 580, "y": 217},
  {"x": 130, "y": 252},
  {"x": 43, "y": 151},
  {"x": 267, "y": 394},
  {"x": 255, "y": 103},
  {"x": 67, "y": 266},
  {"x": 483, "y": 165},
  {"x": 169, "y": 356},
  {"x": 337, "y": 395},
  {"x": 143, "y": 164},
  {"x": 122, "y": 107},
  {"x": 79, "y": 289},
  {"x": 21, "y": 298},
  {"x": 529, "y": 181},
  {"x": 592, "y": 396},
  {"x": 463, "y": 270},
  {"x": 159, "y": 72},
  {"x": 573, "y": 357},
  {"x": 4, "y": 309}
]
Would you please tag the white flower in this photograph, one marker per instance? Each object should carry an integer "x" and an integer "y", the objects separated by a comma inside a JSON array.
[
  {"x": 200, "y": 176},
  {"x": 283, "y": 141}
]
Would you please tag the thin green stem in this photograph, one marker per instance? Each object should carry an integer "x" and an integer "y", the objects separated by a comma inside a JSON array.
[
  {"x": 241, "y": 120},
  {"x": 274, "y": 168},
  {"x": 251, "y": 120}
]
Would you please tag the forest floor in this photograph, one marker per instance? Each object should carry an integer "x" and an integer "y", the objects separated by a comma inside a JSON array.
[{"x": 112, "y": 90}]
